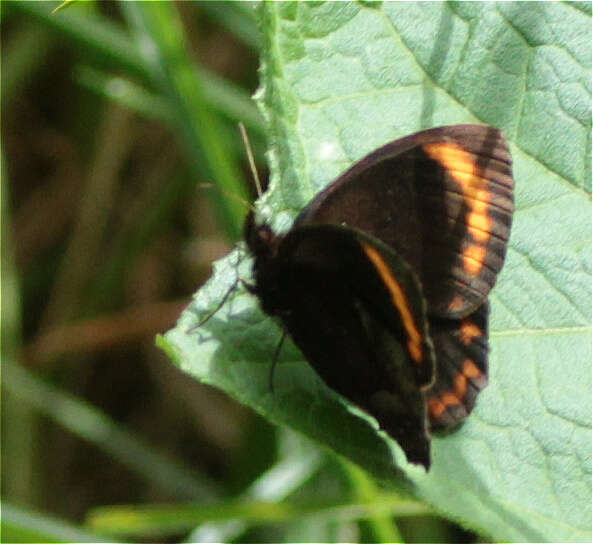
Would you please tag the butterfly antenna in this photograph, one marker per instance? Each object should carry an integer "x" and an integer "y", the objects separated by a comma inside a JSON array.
[
  {"x": 275, "y": 360},
  {"x": 250, "y": 158}
]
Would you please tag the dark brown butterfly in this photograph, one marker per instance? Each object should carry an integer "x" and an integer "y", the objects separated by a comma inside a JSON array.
[{"x": 383, "y": 280}]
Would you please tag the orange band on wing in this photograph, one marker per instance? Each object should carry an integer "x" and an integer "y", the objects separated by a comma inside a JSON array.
[
  {"x": 470, "y": 369},
  {"x": 436, "y": 408},
  {"x": 463, "y": 168},
  {"x": 400, "y": 300}
]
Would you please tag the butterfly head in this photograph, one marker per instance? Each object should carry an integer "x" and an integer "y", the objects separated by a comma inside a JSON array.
[
  {"x": 259, "y": 237},
  {"x": 264, "y": 245}
]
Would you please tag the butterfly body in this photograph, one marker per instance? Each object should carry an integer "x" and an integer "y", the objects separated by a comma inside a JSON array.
[{"x": 382, "y": 281}]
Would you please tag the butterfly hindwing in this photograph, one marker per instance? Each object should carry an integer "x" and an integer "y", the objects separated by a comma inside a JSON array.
[{"x": 461, "y": 346}]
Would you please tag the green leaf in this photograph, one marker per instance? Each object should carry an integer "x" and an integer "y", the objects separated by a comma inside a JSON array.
[{"x": 339, "y": 80}]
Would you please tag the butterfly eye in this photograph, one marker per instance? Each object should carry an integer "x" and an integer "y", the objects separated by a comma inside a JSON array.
[{"x": 265, "y": 234}]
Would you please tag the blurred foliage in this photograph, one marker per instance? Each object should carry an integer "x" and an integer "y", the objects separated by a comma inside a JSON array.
[{"x": 113, "y": 114}]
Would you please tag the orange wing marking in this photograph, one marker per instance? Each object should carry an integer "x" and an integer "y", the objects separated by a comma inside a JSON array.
[
  {"x": 400, "y": 300},
  {"x": 436, "y": 407},
  {"x": 469, "y": 331},
  {"x": 460, "y": 385},
  {"x": 469, "y": 371},
  {"x": 462, "y": 167},
  {"x": 456, "y": 303},
  {"x": 473, "y": 258},
  {"x": 450, "y": 399}
]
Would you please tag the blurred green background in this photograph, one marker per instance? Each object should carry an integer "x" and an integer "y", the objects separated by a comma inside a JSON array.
[{"x": 106, "y": 233}]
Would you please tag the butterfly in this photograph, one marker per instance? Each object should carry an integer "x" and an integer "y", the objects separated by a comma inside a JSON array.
[{"x": 383, "y": 280}]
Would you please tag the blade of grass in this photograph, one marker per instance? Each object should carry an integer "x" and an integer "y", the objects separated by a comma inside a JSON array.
[
  {"x": 148, "y": 104},
  {"x": 100, "y": 190},
  {"x": 275, "y": 484},
  {"x": 23, "y": 525},
  {"x": 381, "y": 527},
  {"x": 91, "y": 424},
  {"x": 19, "y": 422},
  {"x": 21, "y": 57},
  {"x": 159, "y": 33},
  {"x": 157, "y": 520},
  {"x": 88, "y": 31},
  {"x": 63, "y": 5},
  {"x": 237, "y": 18},
  {"x": 109, "y": 42},
  {"x": 125, "y": 92},
  {"x": 162, "y": 188}
]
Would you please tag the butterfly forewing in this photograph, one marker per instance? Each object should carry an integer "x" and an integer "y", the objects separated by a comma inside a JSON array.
[{"x": 442, "y": 198}]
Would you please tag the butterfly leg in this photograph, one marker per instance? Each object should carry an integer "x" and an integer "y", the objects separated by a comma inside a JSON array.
[
  {"x": 275, "y": 360},
  {"x": 218, "y": 307}
]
